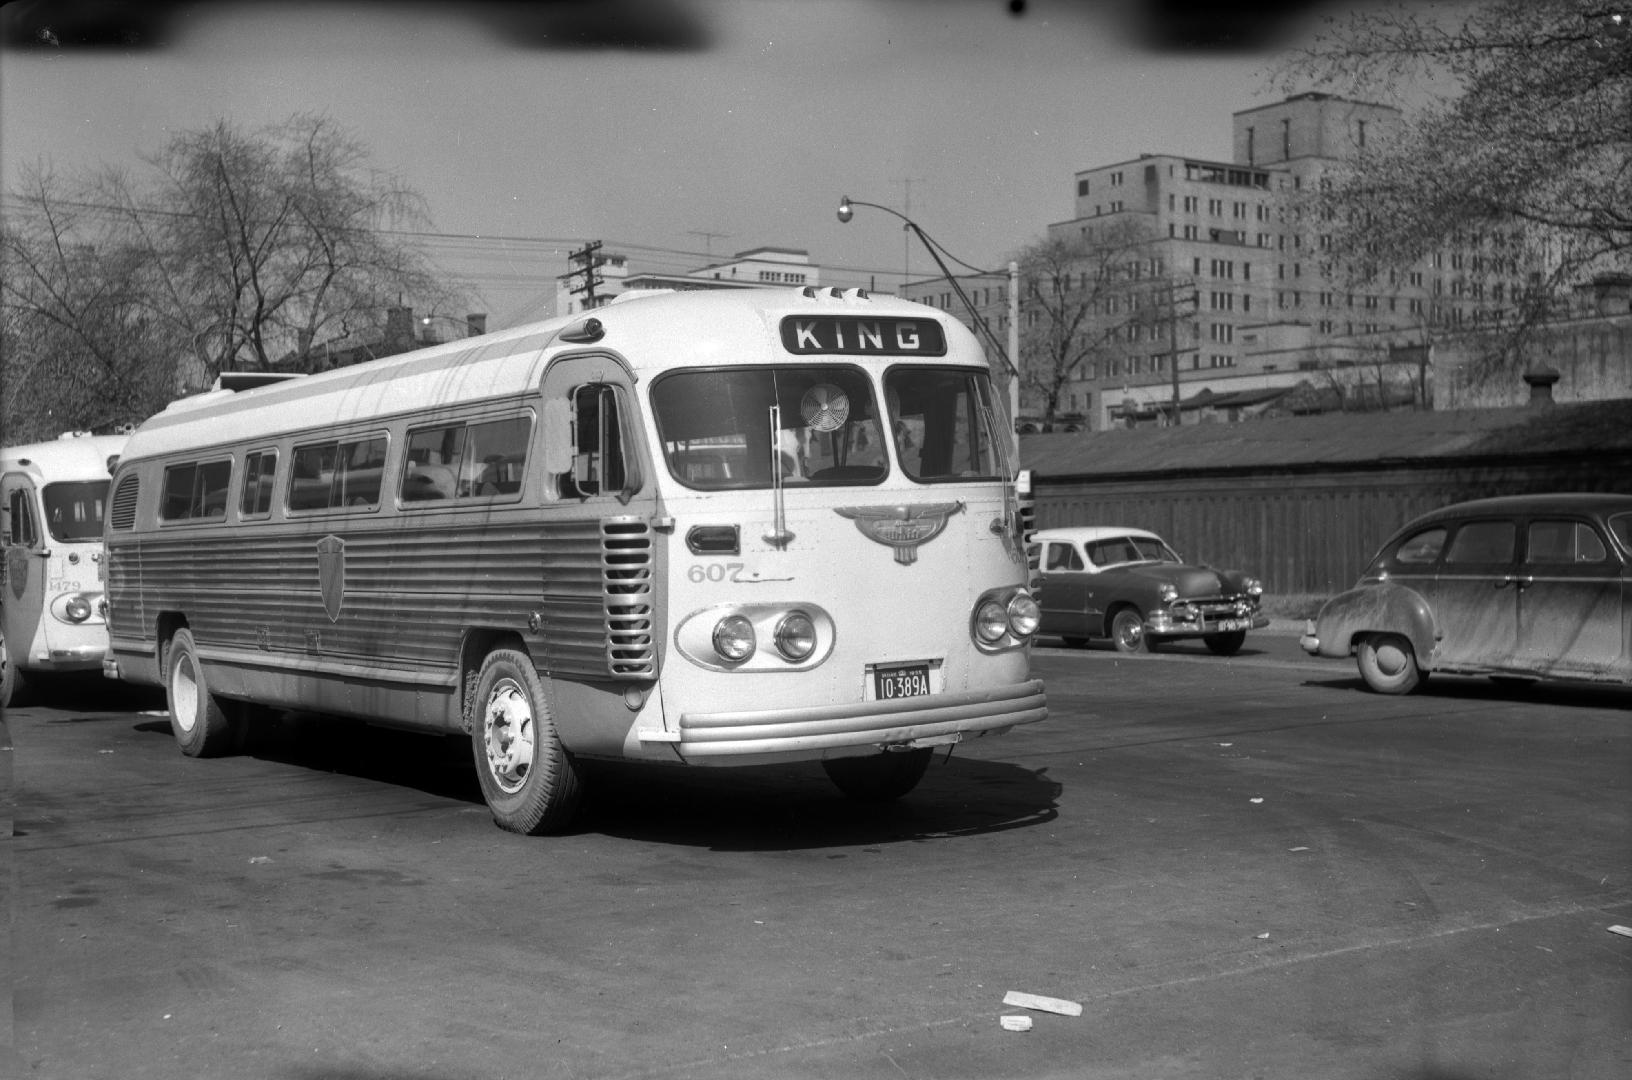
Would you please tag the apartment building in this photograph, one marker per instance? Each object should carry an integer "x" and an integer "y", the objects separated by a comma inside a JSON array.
[
  {"x": 1235, "y": 262},
  {"x": 756, "y": 268}
]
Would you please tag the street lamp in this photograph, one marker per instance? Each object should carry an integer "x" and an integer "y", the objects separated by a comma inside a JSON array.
[{"x": 847, "y": 210}]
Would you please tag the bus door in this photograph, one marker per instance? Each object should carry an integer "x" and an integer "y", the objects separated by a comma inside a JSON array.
[
  {"x": 25, "y": 570},
  {"x": 601, "y": 609}
]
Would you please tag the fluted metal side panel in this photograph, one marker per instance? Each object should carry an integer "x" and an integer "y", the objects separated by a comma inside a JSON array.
[{"x": 598, "y": 599}]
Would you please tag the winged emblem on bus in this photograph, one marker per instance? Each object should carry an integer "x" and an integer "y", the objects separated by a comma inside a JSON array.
[
  {"x": 331, "y": 574},
  {"x": 903, "y": 527}
]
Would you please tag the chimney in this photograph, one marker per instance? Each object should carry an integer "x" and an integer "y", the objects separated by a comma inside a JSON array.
[
  {"x": 399, "y": 330},
  {"x": 476, "y": 324},
  {"x": 1541, "y": 380}
]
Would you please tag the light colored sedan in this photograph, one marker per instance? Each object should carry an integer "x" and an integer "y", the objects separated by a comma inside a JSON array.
[{"x": 1522, "y": 587}]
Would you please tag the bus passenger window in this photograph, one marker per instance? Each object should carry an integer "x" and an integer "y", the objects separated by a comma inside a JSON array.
[
  {"x": 20, "y": 531},
  {"x": 194, "y": 492},
  {"x": 259, "y": 469},
  {"x": 479, "y": 461},
  {"x": 335, "y": 475}
]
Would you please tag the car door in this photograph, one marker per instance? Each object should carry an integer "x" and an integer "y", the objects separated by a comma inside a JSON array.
[
  {"x": 1063, "y": 589},
  {"x": 23, "y": 603},
  {"x": 1570, "y": 588},
  {"x": 1474, "y": 595}
]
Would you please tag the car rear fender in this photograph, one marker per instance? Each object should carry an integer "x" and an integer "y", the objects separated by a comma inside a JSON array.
[{"x": 1372, "y": 609}]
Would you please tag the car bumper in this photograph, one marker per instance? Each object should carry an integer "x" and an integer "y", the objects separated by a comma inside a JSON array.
[
  {"x": 1160, "y": 624},
  {"x": 1310, "y": 641},
  {"x": 910, "y": 723}
]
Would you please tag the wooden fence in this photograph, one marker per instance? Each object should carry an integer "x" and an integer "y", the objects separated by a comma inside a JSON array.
[{"x": 1309, "y": 530}]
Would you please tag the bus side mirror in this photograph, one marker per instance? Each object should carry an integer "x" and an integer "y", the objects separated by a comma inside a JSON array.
[{"x": 557, "y": 436}]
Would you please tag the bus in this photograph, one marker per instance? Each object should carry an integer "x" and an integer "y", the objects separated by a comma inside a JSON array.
[
  {"x": 52, "y": 498},
  {"x": 709, "y": 528}
]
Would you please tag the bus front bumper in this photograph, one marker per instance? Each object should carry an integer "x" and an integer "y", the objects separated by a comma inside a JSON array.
[{"x": 904, "y": 724}]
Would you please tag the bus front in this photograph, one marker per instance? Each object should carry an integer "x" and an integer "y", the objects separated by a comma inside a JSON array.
[{"x": 846, "y": 580}]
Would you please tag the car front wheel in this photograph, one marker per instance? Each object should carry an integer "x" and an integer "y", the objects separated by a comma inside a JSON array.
[
  {"x": 1388, "y": 664},
  {"x": 1128, "y": 631}
]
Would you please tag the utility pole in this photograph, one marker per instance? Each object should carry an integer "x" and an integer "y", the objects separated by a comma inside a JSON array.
[
  {"x": 586, "y": 262},
  {"x": 1173, "y": 302}
]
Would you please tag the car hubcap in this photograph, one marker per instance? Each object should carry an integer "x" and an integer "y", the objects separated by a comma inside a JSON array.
[
  {"x": 507, "y": 730},
  {"x": 1391, "y": 660}
]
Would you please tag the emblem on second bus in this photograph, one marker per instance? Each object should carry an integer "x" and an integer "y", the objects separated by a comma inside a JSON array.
[
  {"x": 331, "y": 574},
  {"x": 903, "y": 528}
]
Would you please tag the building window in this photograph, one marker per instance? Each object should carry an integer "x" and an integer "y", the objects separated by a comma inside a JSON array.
[{"x": 1082, "y": 188}]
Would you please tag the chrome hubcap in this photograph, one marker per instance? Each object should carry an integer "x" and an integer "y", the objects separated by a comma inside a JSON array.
[{"x": 507, "y": 734}]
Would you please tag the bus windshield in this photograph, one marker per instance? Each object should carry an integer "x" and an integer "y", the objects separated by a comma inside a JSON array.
[
  {"x": 73, "y": 510},
  {"x": 945, "y": 423},
  {"x": 718, "y": 427}
]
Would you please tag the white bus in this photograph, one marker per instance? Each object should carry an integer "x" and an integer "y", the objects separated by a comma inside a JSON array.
[
  {"x": 52, "y": 497},
  {"x": 703, "y": 528}
]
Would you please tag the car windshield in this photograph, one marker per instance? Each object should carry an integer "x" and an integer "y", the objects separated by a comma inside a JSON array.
[
  {"x": 1123, "y": 550},
  {"x": 73, "y": 510},
  {"x": 719, "y": 427}
]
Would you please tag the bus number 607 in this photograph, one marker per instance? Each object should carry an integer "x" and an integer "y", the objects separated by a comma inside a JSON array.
[{"x": 700, "y": 572}]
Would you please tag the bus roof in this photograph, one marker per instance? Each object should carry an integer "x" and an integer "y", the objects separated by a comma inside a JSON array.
[
  {"x": 70, "y": 456},
  {"x": 650, "y": 333}
]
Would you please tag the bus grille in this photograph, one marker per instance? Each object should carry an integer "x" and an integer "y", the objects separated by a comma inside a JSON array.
[
  {"x": 599, "y": 598},
  {"x": 631, "y": 649},
  {"x": 122, "y": 513}
]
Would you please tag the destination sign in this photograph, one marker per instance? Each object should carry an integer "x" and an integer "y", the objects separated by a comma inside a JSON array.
[{"x": 853, "y": 335}]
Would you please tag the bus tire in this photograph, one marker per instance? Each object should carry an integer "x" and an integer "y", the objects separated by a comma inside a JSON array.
[
  {"x": 528, "y": 778},
  {"x": 878, "y": 777},
  {"x": 204, "y": 726}
]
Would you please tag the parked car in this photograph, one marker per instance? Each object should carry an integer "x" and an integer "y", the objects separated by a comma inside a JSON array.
[
  {"x": 1526, "y": 586},
  {"x": 1128, "y": 585}
]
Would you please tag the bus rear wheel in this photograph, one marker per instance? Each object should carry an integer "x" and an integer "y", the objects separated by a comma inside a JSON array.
[
  {"x": 528, "y": 779},
  {"x": 878, "y": 777},
  {"x": 204, "y": 726}
]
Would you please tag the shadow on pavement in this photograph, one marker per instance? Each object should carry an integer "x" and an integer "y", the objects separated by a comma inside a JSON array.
[
  {"x": 1580, "y": 695},
  {"x": 754, "y": 808}
]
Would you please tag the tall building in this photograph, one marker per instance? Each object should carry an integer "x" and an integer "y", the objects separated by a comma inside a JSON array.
[{"x": 1229, "y": 274}]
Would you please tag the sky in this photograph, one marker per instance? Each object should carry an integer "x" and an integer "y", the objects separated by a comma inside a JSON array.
[{"x": 677, "y": 132}]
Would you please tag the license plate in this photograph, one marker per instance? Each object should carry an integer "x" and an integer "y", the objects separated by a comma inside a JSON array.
[
  {"x": 1224, "y": 626},
  {"x": 901, "y": 682}
]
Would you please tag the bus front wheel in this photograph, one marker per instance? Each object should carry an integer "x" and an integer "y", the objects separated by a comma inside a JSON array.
[
  {"x": 527, "y": 776},
  {"x": 200, "y": 721},
  {"x": 878, "y": 777}
]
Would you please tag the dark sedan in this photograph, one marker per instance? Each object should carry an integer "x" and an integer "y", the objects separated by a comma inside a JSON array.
[{"x": 1128, "y": 585}]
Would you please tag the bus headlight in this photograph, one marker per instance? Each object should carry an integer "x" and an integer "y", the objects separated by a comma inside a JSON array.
[
  {"x": 795, "y": 636},
  {"x": 1024, "y": 615},
  {"x": 734, "y": 638},
  {"x": 991, "y": 621},
  {"x": 78, "y": 609}
]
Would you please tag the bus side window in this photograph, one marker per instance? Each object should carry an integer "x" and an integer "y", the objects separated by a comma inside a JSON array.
[{"x": 598, "y": 466}]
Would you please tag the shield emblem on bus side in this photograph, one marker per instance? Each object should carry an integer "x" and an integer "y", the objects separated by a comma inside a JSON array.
[{"x": 331, "y": 574}]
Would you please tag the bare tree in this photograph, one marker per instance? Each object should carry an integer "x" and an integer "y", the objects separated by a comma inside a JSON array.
[
  {"x": 237, "y": 251},
  {"x": 1084, "y": 298},
  {"x": 1525, "y": 164},
  {"x": 82, "y": 348}
]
